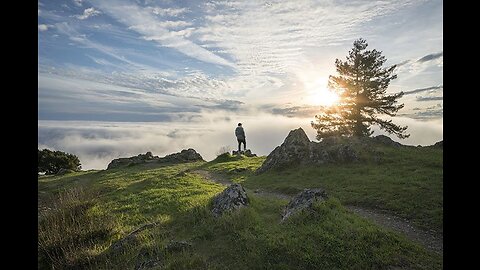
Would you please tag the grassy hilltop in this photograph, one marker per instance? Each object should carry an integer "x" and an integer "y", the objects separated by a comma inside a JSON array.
[{"x": 82, "y": 214}]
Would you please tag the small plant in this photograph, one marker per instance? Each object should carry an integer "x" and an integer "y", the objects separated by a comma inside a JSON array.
[{"x": 223, "y": 150}]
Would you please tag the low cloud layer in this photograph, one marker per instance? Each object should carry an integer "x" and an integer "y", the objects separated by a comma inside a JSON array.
[{"x": 97, "y": 143}]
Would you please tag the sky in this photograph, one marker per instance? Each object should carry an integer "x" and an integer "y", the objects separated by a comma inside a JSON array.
[{"x": 118, "y": 78}]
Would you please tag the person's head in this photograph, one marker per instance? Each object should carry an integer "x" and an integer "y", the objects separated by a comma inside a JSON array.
[{"x": 239, "y": 124}]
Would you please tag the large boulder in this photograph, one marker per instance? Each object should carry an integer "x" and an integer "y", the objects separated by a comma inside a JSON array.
[
  {"x": 303, "y": 200},
  {"x": 232, "y": 198},
  {"x": 295, "y": 149},
  {"x": 298, "y": 149},
  {"x": 188, "y": 155}
]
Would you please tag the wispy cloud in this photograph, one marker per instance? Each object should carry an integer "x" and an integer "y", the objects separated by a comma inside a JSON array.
[
  {"x": 78, "y": 2},
  {"x": 424, "y": 114},
  {"x": 430, "y": 57},
  {"x": 433, "y": 93},
  {"x": 73, "y": 34},
  {"x": 87, "y": 13},
  {"x": 429, "y": 98},
  {"x": 304, "y": 111},
  {"x": 276, "y": 36},
  {"x": 125, "y": 98},
  {"x": 143, "y": 22},
  {"x": 429, "y": 89},
  {"x": 172, "y": 12},
  {"x": 403, "y": 63},
  {"x": 43, "y": 27},
  {"x": 417, "y": 66}
]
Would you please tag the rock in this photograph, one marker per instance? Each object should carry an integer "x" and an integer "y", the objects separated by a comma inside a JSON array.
[
  {"x": 149, "y": 263},
  {"x": 121, "y": 244},
  {"x": 439, "y": 144},
  {"x": 63, "y": 171},
  {"x": 303, "y": 200},
  {"x": 247, "y": 153},
  {"x": 174, "y": 246},
  {"x": 239, "y": 169},
  {"x": 294, "y": 150},
  {"x": 233, "y": 197},
  {"x": 298, "y": 149},
  {"x": 386, "y": 141},
  {"x": 188, "y": 155},
  {"x": 141, "y": 158},
  {"x": 345, "y": 153}
]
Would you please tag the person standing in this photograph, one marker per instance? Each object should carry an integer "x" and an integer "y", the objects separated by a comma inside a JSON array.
[{"x": 241, "y": 138}]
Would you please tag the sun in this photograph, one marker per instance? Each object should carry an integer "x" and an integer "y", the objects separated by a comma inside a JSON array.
[
  {"x": 325, "y": 97},
  {"x": 319, "y": 94}
]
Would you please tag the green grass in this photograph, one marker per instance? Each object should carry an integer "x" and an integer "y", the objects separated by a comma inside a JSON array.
[
  {"x": 235, "y": 168},
  {"x": 408, "y": 181},
  {"x": 329, "y": 237},
  {"x": 73, "y": 231}
]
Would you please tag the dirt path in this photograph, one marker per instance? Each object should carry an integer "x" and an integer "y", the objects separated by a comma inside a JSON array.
[
  {"x": 214, "y": 177},
  {"x": 426, "y": 239}
]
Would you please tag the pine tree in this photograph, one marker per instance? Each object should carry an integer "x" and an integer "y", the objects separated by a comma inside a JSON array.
[{"x": 361, "y": 85}]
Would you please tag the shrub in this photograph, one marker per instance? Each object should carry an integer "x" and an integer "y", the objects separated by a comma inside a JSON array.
[{"x": 50, "y": 162}]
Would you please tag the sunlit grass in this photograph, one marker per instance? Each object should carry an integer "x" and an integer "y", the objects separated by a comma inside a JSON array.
[
  {"x": 330, "y": 237},
  {"x": 407, "y": 181}
]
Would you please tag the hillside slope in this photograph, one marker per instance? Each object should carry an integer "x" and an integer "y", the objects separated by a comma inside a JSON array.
[{"x": 85, "y": 217}]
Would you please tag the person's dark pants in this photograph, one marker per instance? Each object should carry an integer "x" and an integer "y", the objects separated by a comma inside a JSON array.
[{"x": 240, "y": 141}]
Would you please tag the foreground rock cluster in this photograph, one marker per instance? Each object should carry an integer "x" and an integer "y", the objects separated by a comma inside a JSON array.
[
  {"x": 186, "y": 155},
  {"x": 235, "y": 197}
]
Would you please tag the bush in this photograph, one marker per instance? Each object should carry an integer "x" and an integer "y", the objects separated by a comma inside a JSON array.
[
  {"x": 223, "y": 150},
  {"x": 50, "y": 162}
]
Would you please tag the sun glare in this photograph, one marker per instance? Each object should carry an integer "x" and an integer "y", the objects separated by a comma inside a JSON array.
[
  {"x": 325, "y": 97},
  {"x": 320, "y": 94}
]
